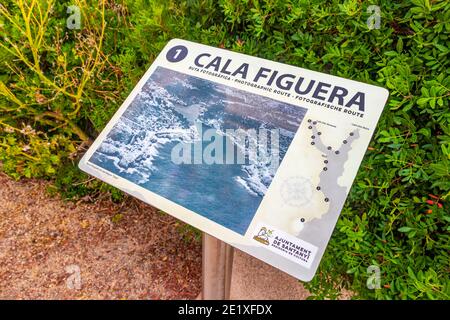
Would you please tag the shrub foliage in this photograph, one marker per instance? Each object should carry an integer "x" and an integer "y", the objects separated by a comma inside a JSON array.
[{"x": 59, "y": 87}]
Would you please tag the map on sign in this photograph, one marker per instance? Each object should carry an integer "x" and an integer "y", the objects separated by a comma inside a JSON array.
[{"x": 256, "y": 153}]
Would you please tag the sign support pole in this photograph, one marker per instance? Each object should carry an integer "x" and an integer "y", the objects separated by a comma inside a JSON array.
[{"x": 217, "y": 264}]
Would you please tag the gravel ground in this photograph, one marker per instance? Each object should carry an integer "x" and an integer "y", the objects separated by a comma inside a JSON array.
[{"x": 52, "y": 249}]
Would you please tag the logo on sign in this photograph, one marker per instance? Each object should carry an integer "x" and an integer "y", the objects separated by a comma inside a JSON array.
[{"x": 263, "y": 236}]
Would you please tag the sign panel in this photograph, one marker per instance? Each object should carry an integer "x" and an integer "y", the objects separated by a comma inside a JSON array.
[{"x": 256, "y": 153}]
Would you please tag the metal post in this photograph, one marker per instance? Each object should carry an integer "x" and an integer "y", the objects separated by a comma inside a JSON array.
[{"x": 217, "y": 263}]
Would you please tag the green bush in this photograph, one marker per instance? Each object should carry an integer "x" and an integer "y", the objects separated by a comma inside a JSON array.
[{"x": 59, "y": 87}]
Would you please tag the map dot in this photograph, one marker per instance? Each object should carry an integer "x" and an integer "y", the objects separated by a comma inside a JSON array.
[
  {"x": 309, "y": 127},
  {"x": 318, "y": 188},
  {"x": 313, "y": 143},
  {"x": 337, "y": 152},
  {"x": 329, "y": 148},
  {"x": 325, "y": 168},
  {"x": 326, "y": 199},
  {"x": 351, "y": 133},
  {"x": 319, "y": 133},
  {"x": 345, "y": 141}
]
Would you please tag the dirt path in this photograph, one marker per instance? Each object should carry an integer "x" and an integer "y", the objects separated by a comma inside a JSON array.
[{"x": 51, "y": 249}]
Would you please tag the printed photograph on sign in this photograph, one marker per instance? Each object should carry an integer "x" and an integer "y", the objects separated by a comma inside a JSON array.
[{"x": 203, "y": 145}]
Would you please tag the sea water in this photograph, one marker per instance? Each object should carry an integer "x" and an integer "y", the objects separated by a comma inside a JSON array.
[{"x": 165, "y": 113}]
